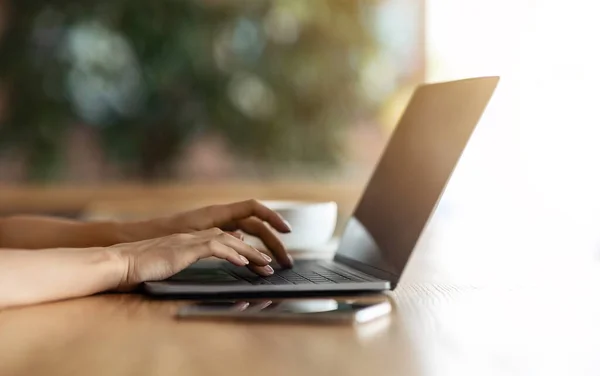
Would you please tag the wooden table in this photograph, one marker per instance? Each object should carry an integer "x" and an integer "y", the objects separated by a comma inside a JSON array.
[
  {"x": 141, "y": 200},
  {"x": 455, "y": 313},
  {"x": 435, "y": 330}
]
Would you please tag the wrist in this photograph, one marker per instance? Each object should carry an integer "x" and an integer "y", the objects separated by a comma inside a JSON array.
[
  {"x": 106, "y": 267},
  {"x": 117, "y": 265},
  {"x": 120, "y": 264}
]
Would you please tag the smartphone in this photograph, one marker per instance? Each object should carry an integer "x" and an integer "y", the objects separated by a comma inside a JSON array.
[{"x": 302, "y": 310}]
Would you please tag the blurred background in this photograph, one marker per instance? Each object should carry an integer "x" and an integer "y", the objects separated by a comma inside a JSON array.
[
  {"x": 139, "y": 107},
  {"x": 187, "y": 90},
  {"x": 105, "y": 95}
]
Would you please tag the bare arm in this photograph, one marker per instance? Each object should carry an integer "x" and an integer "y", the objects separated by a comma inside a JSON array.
[
  {"x": 29, "y": 277},
  {"x": 30, "y": 232},
  {"x": 33, "y": 232}
]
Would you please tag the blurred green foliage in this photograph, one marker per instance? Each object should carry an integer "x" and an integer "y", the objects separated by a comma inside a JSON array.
[{"x": 279, "y": 78}]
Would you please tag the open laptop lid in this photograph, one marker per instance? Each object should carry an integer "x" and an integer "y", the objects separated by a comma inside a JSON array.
[{"x": 412, "y": 174}]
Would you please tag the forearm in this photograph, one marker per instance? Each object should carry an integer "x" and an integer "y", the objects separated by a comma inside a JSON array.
[
  {"x": 28, "y": 277},
  {"x": 31, "y": 232}
]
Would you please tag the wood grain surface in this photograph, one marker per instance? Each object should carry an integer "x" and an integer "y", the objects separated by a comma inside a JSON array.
[
  {"x": 435, "y": 330},
  {"x": 144, "y": 200},
  {"x": 443, "y": 323},
  {"x": 475, "y": 299}
]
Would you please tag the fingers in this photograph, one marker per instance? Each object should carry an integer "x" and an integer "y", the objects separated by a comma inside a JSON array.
[
  {"x": 226, "y": 246},
  {"x": 264, "y": 271},
  {"x": 256, "y": 227},
  {"x": 225, "y": 252},
  {"x": 240, "y": 210},
  {"x": 158, "y": 259},
  {"x": 236, "y": 234},
  {"x": 239, "y": 253},
  {"x": 252, "y": 254}
]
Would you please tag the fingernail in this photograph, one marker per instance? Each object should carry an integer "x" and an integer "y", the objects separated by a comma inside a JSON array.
[
  {"x": 269, "y": 269},
  {"x": 266, "y": 257},
  {"x": 288, "y": 225},
  {"x": 291, "y": 259},
  {"x": 244, "y": 260}
]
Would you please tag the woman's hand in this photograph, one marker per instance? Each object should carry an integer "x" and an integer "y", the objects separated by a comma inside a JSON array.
[
  {"x": 158, "y": 259},
  {"x": 28, "y": 277},
  {"x": 249, "y": 216},
  {"x": 27, "y": 232}
]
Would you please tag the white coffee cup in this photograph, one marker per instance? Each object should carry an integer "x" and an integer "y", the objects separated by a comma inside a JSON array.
[{"x": 313, "y": 223}]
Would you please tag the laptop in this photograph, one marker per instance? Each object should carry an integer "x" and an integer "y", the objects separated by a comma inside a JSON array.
[{"x": 391, "y": 215}]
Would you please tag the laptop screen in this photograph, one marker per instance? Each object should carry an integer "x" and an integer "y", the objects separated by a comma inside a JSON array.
[{"x": 412, "y": 174}]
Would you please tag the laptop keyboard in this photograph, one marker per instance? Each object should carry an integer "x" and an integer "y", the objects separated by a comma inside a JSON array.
[{"x": 315, "y": 275}]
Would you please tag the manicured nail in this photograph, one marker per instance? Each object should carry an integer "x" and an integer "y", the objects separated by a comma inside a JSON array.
[
  {"x": 288, "y": 225},
  {"x": 291, "y": 259},
  {"x": 244, "y": 260},
  {"x": 269, "y": 269},
  {"x": 266, "y": 257}
]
